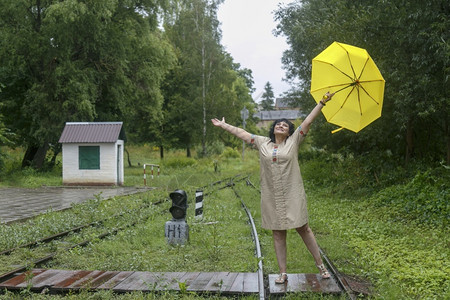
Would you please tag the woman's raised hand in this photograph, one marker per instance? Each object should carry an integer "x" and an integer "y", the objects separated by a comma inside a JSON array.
[
  {"x": 327, "y": 97},
  {"x": 217, "y": 122}
]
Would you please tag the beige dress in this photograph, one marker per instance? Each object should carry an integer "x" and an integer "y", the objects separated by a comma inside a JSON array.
[{"x": 283, "y": 199}]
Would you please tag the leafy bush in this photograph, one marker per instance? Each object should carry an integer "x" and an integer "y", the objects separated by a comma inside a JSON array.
[
  {"x": 425, "y": 198},
  {"x": 230, "y": 153},
  {"x": 345, "y": 173},
  {"x": 214, "y": 148},
  {"x": 355, "y": 176},
  {"x": 179, "y": 162}
]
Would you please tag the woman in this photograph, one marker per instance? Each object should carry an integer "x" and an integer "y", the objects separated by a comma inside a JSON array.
[{"x": 283, "y": 199}]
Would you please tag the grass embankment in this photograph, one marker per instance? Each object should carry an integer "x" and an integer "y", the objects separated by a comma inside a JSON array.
[{"x": 396, "y": 237}]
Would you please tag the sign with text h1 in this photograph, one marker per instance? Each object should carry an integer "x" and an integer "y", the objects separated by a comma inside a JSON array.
[{"x": 176, "y": 232}]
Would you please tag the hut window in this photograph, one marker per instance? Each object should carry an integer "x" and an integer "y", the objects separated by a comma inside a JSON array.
[{"x": 89, "y": 157}]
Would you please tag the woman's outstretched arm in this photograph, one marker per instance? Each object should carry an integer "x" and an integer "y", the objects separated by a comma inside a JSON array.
[
  {"x": 315, "y": 112},
  {"x": 236, "y": 131}
]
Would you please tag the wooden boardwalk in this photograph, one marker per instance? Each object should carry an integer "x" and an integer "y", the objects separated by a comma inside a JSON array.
[
  {"x": 226, "y": 283},
  {"x": 126, "y": 281},
  {"x": 303, "y": 283}
]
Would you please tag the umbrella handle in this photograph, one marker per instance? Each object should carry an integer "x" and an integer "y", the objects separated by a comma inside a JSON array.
[
  {"x": 336, "y": 130},
  {"x": 325, "y": 97}
]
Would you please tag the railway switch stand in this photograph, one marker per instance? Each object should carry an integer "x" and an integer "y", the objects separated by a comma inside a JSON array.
[{"x": 177, "y": 230}]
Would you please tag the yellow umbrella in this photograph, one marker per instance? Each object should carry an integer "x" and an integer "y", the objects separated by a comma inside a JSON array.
[{"x": 351, "y": 73}]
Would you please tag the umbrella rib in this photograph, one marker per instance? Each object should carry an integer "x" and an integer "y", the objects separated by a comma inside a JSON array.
[
  {"x": 343, "y": 71},
  {"x": 344, "y": 86},
  {"x": 367, "y": 81},
  {"x": 351, "y": 64},
  {"x": 359, "y": 102},
  {"x": 325, "y": 62},
  {"x": 346, "y": 98},
  {"x": 350, "y": 61},
  {"x": 348, "y": 95},
  {"x": 368, "y": 95},
  {"x": 365, "y": 64}
]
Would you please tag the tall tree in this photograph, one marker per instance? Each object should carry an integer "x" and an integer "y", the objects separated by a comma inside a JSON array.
[
  {"x": 79, "y": 61},
  {"x": 268, "y": 98},
  {"x": 408, "y": 41},
  {"x": 206, "y": 80}
]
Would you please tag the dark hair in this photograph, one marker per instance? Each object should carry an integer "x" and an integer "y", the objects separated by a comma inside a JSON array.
[{"x": 272, "y": 128}]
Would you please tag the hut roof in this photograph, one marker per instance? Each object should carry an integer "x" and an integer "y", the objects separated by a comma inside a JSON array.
[{"x": 92, "y": 132}]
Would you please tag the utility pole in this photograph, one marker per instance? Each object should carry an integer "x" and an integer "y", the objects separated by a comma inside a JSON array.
[{"x": 244, "y": 116}]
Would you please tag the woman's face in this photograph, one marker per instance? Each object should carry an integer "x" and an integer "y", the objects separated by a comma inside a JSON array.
[{"x": 281, "y": 128}]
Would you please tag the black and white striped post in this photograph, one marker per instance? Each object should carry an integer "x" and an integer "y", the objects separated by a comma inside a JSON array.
[{"x": 199, "y": 205}]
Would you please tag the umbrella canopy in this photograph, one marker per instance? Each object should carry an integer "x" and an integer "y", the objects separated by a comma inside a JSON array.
[{"x": 351, "y": 73}]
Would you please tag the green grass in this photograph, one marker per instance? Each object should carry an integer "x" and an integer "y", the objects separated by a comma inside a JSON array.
[
  {"x": 212, "y": 247},
  {"x": 401, "y": 259},
  {"x": 395, "y": 236}
]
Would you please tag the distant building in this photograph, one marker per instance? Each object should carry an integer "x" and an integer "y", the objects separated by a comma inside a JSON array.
[
  {"x": 283, "y": 110},
  {"x": 284, "y": 103},
  {"x": 92, "y": 153},
  {"x": 266, "y": 117}
]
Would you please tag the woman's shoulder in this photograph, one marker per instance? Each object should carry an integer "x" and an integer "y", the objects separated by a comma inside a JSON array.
[
  {"x": 259, "y": 139},
  {"x": 300, "y": 131}
]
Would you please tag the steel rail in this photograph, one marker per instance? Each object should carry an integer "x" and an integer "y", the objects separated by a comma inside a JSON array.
[
  {"x": 72, "y": 230},
  {"x": 257, "y": 246},
  {"x": 49, "y": 257},
  {"x": 229, "y": 179},
  {"x": 341, "y": 281},
  {"x": 50, "y": 238},
  {"x": 228, "y": 182},
  {"x": 39, "y": 261},
  {"x": 95, "y": 223},
  {"x": 66, "y": 232}
]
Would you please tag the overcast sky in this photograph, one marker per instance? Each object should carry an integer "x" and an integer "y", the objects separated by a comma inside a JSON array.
[{"x": 247, "y": 27}]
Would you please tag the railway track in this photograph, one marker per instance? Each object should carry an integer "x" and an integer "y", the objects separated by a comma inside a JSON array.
[
  {"x": 61, "y": 235},
  {"x": 340, "y": 279},
  {"x": 262, "y": 279}
]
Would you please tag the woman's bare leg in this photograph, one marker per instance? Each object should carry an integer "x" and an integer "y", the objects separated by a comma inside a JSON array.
[
  {"x": 310, "y": 241},
  {"x": 279, "y": 241}
]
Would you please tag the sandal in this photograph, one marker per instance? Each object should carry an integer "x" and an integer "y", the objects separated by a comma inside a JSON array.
[
  {"x": 282, "y": 278},
  {"x": 323, "y": 271}
]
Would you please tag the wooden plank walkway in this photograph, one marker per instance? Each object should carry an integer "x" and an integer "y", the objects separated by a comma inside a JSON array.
[
  {"x": 126, "y": 281},
  {"x": 303, "y": 283},
  {"x": 57, "y": 281}
]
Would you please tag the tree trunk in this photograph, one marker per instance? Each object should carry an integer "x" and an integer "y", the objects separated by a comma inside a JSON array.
[
  {"x": 128, "y": 157},
  {"x": 35, "y": 156},
  {"x": 161, "y": 152},
  {"x": 28, "y": 156},
  {"x": 203, "y": 97},
  {"x": 188, "y": 151},
  {"x": 447, "y": 134},
  {"x": 39, "y": 157}
]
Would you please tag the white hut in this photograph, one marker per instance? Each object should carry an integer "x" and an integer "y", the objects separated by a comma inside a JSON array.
[{"x": 92, "y": 153}]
